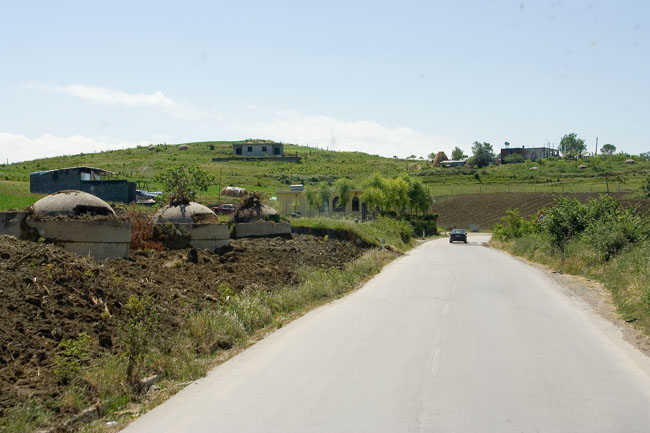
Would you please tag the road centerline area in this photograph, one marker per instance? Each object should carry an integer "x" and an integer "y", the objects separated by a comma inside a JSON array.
[{"x": 513, "y": 354}]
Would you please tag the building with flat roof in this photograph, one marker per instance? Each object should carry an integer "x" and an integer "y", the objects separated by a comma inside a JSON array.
[
  {"x": 529, "y": 153},
  {"x": 88, "y": 179},
  {"x": 258, "y": 148}
]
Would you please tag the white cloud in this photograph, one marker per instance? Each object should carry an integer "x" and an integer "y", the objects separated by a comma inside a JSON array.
[
  {"x": 101, "y": 95},
  {"x": 326, "y": 132},
  {"x": 18, "y": 147}
]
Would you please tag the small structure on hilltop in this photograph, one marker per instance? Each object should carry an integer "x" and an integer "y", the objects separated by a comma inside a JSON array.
[
  {"x": 88, "y": 179},
  {"x": 234, "y": 191},
  {"x": 529, "y": 153},
  {"x": 75, "y": 220},
  {"x": 439, "y": 158},
  {"x": 258, "y": 148},
  {"x": 454, "y": 163}
]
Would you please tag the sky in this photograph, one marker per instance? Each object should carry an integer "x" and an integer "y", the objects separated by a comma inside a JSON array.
[{"x": 393, "y": 78}]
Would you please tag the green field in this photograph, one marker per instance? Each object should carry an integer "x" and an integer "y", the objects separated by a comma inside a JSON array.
[{"x": 317, "y": 165}]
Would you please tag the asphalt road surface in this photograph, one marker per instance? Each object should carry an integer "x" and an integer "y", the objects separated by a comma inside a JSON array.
[{"x": 448, "y": 338}]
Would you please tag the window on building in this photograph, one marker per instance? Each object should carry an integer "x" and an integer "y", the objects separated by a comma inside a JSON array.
[
  {"x": 337, "y": 205},
  {"x": 326, "y": 206},
  {"x": 238, "y": 151},
  {"x": 276, "y": 151},
  {"x": 249, "y": 149},
  {"x": 263, "y": 148},
  {"x": 355, "y": 204}
]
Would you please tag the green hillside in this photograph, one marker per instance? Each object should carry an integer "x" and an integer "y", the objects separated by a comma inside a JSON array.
[{"x": 142, "y": 164}]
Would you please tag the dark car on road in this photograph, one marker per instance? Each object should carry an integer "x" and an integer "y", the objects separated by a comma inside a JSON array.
[{"x": 458, "y": 235}]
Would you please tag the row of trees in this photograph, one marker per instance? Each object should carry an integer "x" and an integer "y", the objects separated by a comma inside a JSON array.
[
  {"x": 482, "y": 153},
  {"x": 398, "y": 195}
]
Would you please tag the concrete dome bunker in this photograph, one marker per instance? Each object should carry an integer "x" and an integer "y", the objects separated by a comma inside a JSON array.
[
  {"x": 194, "y": 225},
  {"x": 80, "y": 223}
]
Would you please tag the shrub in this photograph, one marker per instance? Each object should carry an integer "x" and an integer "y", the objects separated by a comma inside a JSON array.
[
  {"x": 513, "y": 158},
  {"x": 72, "y": 354},
  {"x": 137, "y": 334},
  {"x": 513, "y": 226}
]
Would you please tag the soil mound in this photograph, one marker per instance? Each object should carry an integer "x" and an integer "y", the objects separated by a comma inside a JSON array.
[{"x": 48, "y": 294}]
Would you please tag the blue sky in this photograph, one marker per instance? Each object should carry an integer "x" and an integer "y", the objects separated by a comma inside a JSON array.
[{"x": 390, "y": 78}]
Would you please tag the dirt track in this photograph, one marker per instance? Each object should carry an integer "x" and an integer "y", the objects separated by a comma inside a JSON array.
[{"x": 47, "y": 295}]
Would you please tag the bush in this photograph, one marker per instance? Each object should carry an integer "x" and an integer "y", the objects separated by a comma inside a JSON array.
[
  {"x": 513, "y": 226},
  {"x": 513, "y": 158},
  {"x": 73, "y": 353}
]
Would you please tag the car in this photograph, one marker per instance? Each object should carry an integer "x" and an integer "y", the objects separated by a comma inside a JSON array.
[
  {"x": 458, "y": 235},
  {"x": 226, "y": 208}
]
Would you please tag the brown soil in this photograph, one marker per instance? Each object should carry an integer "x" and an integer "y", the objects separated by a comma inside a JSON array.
[
  {"x": 48, "y": 294},
  {"x": 487, "y": 209}
]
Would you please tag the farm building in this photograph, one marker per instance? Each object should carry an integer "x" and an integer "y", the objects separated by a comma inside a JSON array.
[
  {"x": 258, "y": 148},
  {"x": 88, "y": 179},
  {"x": 294, "y": 201},
  {"x": 531, "y": 153}
]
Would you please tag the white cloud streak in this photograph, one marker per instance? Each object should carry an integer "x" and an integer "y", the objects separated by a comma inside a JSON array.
[
  {"x": 18, "y": 147},
  {"x": 101, "y": 95}
]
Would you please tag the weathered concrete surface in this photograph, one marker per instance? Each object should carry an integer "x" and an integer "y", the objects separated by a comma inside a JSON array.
[
  {"x": 11, "y": 223},
  {"x": 209, "y": 236},
  {"x": 181, "y": 213},
  {"x": 261, "y": 228},
  {"x": 205, "y": 236},
  {"x": 72, "y": 203},
  {"x": 105, "y": 239}
]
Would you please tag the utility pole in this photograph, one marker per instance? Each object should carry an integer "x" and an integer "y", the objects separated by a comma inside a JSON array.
[{"x": 596, "y": 152}]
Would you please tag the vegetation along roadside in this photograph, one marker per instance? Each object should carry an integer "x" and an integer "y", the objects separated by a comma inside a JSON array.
[{"x": 599, "y": 239}]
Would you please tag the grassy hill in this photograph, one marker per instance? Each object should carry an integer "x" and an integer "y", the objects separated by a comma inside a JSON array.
[{"x": 317, "y": 165}]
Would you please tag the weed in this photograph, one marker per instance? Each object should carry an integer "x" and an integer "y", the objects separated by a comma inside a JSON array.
[
  {"x": 72, "y": 354},
  {"x": 25, "y": 417},
  {"x": 137, "y": 334}
]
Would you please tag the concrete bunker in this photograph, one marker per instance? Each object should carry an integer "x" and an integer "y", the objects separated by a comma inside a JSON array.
[
  {"x": 191, "y": 225},
  {"x": 77, "y": 221}
]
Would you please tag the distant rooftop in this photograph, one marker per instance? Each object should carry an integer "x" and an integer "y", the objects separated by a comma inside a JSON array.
[{"x": 100, "y": 171}]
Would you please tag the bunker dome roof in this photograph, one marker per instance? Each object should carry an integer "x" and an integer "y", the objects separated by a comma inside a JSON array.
[
  {"x": 72, "y": 202},
  {"x": 183, "y": 213}
]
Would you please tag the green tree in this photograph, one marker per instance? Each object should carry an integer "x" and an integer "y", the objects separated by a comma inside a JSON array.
[
  {"x": 432, "y": 156},
  {"x": 181, "y": 183},
  {"x": 608, "y": 149},
  {"x": 396, "y": 195},
  {"x": 483, "y": 154},
  {"x": 457, "y": 153},
  {"x": 571, "y": 146},
  {"x": 374, "y": 197},
  {"x": 343, "y": 188},
  {"x": 419, "y": 197},
  {"x": 564, "y": 221},
  {"x": 316, "y": 197}
]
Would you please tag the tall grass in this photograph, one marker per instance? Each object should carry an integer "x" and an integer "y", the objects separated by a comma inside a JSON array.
[{"x": 394, "y": 232}]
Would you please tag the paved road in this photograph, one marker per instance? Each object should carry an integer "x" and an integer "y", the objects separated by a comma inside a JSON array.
[{"x": 449, "y": 338}]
